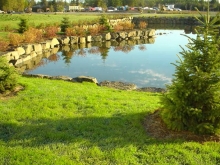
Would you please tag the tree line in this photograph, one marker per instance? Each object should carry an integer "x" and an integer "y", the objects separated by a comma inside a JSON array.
[{"x": 58, "y": 5}]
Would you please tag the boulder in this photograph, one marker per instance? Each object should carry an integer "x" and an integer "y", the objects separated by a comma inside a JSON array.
[
  {"x": 66, "y": 41},
  {"x": 82, "y": 40},
  {"x": 74, "y": 40},
  {"x": 118, "y": 85},
  {"x": 37, "y": 48},
  {"x": 97, "y": 38},
  {"x": 85, "y": 78},
  {"x": 54, "y": 42},
  {"x": 114, "y": 35},
  {"x": 20, "y": 50},
  {"x": 151, "y": 32},
  {"x": 28, "y": 48}
]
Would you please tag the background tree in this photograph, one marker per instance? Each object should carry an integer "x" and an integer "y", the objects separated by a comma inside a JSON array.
[
  {"x": 30, "y": 3},
  {"x": 60, "y": 5},
  {"x": 192, "y": 101},
  {"x": 102, "y": 4}
]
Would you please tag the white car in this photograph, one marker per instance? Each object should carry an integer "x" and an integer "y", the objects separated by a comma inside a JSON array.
[
  {"x": 111, "y": 9},
  {"x": 177, "y": 9},
  {"x": 2, "y": 11},
  {"x": 145, "y": 8}
]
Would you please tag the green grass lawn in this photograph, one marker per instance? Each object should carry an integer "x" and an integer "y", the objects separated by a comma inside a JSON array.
[{"x": 59, "y": 122}]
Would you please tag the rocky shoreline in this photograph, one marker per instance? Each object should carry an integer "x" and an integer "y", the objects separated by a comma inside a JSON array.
[{"x": 111, "y": 84}]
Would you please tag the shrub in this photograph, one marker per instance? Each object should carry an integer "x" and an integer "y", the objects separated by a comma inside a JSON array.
[
  {"x": 51, "y": 31},
  {"x": 93, "y": 30},
  {"x": 8, "y": 76},
  {"x": 15, "y": 39},
  {"x": 33, "y": 35},
  {"x": 80, "y": 31},
  {"x": 3, "y": 45},
  {"x": 142, "y": 25},
  {"x": 29, "y": 37},
  {"x": 127, "y": 25},
  {"x": 192, "y": 101},
  {"x": 117, "y": 28},
  {"x": 71, "y": 32}
]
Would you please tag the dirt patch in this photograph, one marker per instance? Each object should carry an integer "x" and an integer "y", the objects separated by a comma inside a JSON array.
[
  {"x": 10, "y": 94},
  {"x": 157, "y": 129}
]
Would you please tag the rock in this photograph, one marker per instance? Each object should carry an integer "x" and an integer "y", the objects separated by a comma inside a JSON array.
[
  {"x": 97, "y": 38},
  {"x": 85, "y": 78},
  {"x": 74, "y": 40},
  {"x": 82, "y": 40},
  {"x": 54, "y": 42},
  {"x": 65, "y": 78},
  {"x": 37, "y": 48},
  {"x": 151, "y": 89},
  {"x": 118, "y": 85},
  {"x": 151, "y": 32},
  {"x": 20, "y": 50}
]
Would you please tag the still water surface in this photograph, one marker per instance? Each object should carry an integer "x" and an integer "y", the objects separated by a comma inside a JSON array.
[{"x": 146, "y": 65}]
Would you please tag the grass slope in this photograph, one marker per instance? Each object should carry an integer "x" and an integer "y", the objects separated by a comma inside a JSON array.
[{"x": 58, "y": 122}]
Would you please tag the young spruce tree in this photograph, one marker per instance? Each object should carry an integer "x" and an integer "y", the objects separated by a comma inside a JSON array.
[
  {"x": 65, "y": 23},
  {"x": 8, "y": 76},
  {"x": 192, "y": 101}
]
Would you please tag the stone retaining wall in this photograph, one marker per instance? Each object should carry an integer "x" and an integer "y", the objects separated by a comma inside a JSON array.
[
  {"x": 166, "y": 20},
  {"x": 35, "y": 51}
]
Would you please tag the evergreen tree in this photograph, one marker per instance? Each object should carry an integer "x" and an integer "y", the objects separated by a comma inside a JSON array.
[
  {"x": 8, "y": 76},
  {"x": 65, "y": 24},
  {"x": 192, "y": 101},
  {"x": 23, "y": 26}
]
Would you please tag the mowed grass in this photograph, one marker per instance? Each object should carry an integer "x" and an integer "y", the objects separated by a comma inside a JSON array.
[
  {"x": 35, "y": 19},
  {"x": 59, "y": 122}
]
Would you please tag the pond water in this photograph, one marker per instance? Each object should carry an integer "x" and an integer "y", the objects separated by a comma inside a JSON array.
[{"x": 146, "y": 65}]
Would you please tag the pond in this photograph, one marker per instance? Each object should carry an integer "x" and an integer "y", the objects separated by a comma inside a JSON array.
[{"x": 144, "y": 64}]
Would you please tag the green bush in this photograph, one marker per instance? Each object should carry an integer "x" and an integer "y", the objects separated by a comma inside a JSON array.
[
  {"x": 8, "y": 76},
  {"x": 192, "y": 101}
]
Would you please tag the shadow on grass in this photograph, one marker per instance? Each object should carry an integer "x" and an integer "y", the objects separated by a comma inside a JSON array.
[{"x": 106, "y": 132}]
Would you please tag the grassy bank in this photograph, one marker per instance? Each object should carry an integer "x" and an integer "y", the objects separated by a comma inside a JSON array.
[{"x": 57, "y": 122}]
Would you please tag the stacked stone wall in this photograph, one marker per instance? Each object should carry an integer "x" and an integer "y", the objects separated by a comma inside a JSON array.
[
  {"x": 21, "y": 56},
  {"x": 166, "y": 20}
]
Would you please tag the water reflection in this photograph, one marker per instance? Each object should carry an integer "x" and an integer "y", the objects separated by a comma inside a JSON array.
[
  {"x": 145, "y": 62},
  {"x": 188, "y": 29},
  {"x": 102, "y": 48}
]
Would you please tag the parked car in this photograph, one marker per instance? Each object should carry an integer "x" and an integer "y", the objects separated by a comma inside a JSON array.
[
  {"x": 177, "y": 9},
  {"x": 145, "y": 8},
  {"x": 110, "y": 9},
  {"x": 2, "y": 11},
  {"x": 156, "y": 8},
  {"x": 98, "y": 9}
]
